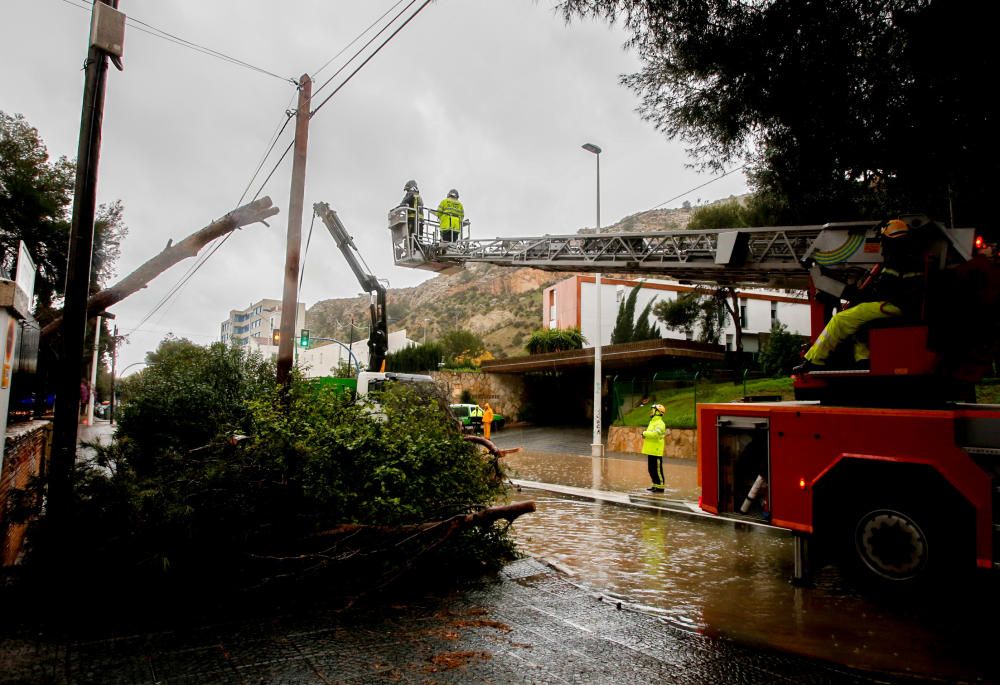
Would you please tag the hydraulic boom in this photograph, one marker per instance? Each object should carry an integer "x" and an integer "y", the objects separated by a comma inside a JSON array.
[{"x": 378, "y": 335}]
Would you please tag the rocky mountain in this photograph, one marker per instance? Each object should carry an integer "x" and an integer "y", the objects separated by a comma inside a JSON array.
[{"x": 503, "y": 305}]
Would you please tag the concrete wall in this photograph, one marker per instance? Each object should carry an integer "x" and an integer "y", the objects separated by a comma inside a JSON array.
[
  {"x": 27, "y": 449},
  {"x": 504, "y": 392},
  {"x": 680, "y": 443}
]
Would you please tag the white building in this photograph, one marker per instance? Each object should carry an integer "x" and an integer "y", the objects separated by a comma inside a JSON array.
[
  {"x": 257, "y": 321},
  {"x": 323, "y": 358},
  {"x": 572, "y": 303}
]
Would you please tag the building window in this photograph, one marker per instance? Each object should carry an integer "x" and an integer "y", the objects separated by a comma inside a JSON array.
[
  {"x": 729, "y": 342},
  {"x": 743, "y": 313},
  {"x": 774, "y": 313},
  {"x": 689, "y": 335}
]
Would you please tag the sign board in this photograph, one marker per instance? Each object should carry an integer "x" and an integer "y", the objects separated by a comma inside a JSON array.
[{"x": 25, "y": 278}]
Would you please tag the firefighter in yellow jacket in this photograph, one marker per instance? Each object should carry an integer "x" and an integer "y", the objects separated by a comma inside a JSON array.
[
  {"x": 450, "y": 216},
  {"x": 652, "y": 445}
]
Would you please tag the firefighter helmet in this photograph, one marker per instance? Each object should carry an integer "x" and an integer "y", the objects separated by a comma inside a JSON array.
[
  {"x": 896, "y": 228},
  {"x": 657, "y": 409},
  {"x": 410, "y": 185},
  {"x": 453, "y": 194}
]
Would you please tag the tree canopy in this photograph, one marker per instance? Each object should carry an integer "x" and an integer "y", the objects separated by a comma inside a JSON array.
[
  {"x": 628, "y": 328},
  {"x": 36, "y": 200},
  {"x": 840, "y": 109}
]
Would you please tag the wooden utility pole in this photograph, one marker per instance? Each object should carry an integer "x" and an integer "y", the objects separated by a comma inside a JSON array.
[
  {"x": 290, "y": 294},
  {"x": 81, "y": 246}
]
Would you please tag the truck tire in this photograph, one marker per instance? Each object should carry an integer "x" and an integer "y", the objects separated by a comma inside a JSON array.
[{"x": 895, "y": 544}]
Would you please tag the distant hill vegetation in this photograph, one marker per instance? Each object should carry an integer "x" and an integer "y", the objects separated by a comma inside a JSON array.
[{"x": 503, "y": 305}]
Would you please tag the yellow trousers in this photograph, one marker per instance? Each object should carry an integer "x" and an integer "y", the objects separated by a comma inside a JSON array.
[{"x": 846, "y": 324}]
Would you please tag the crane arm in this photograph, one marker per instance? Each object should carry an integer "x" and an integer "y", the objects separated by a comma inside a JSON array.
[{"x": 378, "y": 336}]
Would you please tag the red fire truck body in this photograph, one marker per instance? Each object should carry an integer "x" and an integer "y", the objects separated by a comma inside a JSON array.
[{"x": 828, "y": 467}]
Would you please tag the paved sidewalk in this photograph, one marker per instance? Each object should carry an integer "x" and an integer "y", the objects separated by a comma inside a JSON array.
[{"x": 529, "y": 624}]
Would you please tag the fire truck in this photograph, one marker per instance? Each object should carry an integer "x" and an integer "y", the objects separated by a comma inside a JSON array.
[{"x": 890, "y": 469}]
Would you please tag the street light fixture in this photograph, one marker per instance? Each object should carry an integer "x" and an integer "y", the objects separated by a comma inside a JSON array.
[{"x": 597, "y": 446}]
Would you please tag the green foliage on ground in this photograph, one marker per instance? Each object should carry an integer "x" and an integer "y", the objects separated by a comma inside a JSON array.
[
  {"x": 679, "y": 401},
  {"x": 214, "y": 475},
  {"x": 555, "y": 340}
]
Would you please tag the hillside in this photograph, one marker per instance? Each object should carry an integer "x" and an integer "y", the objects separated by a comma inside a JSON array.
[{"x": 501, "y": 304}]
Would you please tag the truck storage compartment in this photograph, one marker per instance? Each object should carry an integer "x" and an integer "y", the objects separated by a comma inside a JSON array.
[{"x": 744, "y": 466}]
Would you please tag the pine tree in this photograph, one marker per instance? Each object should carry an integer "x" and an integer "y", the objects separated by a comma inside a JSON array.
[{"x": 624, "y": 326}]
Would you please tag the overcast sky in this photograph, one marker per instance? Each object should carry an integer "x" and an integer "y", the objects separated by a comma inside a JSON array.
[{"x": 492, "y": 97}]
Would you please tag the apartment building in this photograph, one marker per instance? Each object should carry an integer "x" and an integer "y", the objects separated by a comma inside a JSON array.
[
  {"x": 572, "y": 303},
  {"x": 257, "y": 321}
]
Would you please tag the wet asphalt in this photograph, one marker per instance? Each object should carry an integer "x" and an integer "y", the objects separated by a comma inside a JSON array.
[
  {"x": 531, "y": 623},
  {"x": 528, "y": 624}
]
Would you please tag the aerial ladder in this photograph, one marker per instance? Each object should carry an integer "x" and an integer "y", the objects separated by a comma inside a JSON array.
[{"x": 892, "y": 470}]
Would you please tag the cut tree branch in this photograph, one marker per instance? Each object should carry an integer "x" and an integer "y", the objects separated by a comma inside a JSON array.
[
  {"x": 256, "y": 211},
  {"x": 507, "y": 512}
]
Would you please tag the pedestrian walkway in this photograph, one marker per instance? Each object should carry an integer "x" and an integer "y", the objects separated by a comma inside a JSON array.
[{"x": 529, "y": 624}]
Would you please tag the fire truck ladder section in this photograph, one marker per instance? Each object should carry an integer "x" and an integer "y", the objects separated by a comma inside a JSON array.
[{"x": 791, "y": 257}]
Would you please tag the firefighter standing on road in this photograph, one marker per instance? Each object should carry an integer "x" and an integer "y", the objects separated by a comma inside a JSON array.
[
  {"x": 412, "y": 200},
  {"x": 896, "y": 292},
  {"x": 450, "y": 215},
  {"x": 487, "y": 421},
  {"x": 652, "y": 445}
]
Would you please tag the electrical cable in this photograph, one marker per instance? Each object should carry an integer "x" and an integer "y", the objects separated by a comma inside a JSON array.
[
  {"x": 219, "y": 244},
  {"x": 369, "y": 58},
  {"x": 302, "y": 271},
  {"x": 151, "y": 30},
  {"x": 366, "y": 45},
  {"x": 698, "y": 187},
  {"x": 357, "y": 38},
  {"x": 193, "y": 269}
]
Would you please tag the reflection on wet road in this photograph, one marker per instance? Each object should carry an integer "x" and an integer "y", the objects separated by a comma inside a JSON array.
[{"x": 735, "y": 582}]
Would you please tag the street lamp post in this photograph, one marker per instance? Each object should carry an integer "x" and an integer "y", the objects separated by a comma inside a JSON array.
[{"x": 597, "y": 446}]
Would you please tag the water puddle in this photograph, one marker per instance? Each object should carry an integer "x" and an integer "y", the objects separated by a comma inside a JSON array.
[{"x": 722, "y": 580}]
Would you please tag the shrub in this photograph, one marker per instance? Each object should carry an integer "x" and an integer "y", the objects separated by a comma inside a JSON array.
[
  {"x": 555, "y": 340},
  {"x": 781, "y": 352},
  {"x": 214, "y": 472}
]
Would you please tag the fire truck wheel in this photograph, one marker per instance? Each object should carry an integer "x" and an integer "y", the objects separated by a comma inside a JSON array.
[{"x": 894, "y": 543}]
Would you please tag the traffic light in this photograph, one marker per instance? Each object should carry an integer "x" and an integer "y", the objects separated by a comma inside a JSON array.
[
  {"x": 275, "y": 337},
  {"x": 304, "y": 338}
]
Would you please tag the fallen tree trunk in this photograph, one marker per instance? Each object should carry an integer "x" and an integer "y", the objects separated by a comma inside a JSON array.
[
  {"x": 256, "y": 211},
  {"x": 507, "y": 512}
]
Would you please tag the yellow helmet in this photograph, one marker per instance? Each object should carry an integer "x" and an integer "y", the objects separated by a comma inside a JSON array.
[
  {"x": 897, "y": 228},
  {"x": 657, "y": 409}
]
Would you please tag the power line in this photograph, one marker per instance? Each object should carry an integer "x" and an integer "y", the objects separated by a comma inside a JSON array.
[
  {"x": 151, "y": 30},
  {"x": 176, "y": 289},
  {"x": 193, "y": 269},
  {"x": 369, "y": 58},
  {"x": 698, "y": 187},
  {"x": 366, "y": 45},
  {"x": 356, "y": 39}
]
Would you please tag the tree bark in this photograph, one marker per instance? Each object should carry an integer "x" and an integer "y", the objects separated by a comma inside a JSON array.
[{"x": 251, "y": 213}]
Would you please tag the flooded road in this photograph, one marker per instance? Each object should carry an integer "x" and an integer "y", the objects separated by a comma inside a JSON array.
[{"x": 720, "y": 580}]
